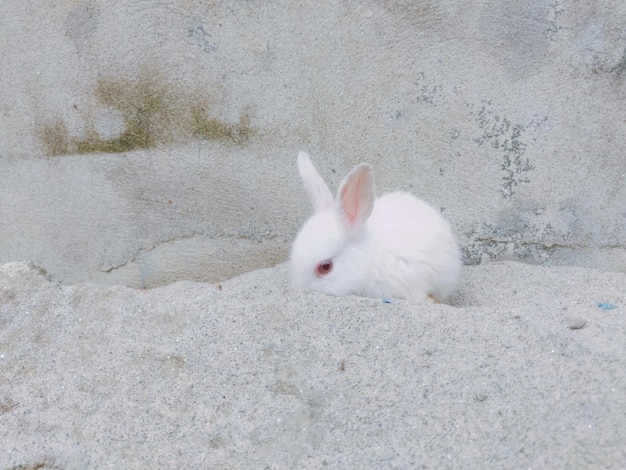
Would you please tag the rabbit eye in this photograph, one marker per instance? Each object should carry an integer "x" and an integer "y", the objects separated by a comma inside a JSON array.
[{"x": 324, "y": 267}]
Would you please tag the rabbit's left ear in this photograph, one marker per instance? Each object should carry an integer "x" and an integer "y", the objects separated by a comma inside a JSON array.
[
  {"x": 315, "y": 186},
  {"x": 356, "y": 197}
]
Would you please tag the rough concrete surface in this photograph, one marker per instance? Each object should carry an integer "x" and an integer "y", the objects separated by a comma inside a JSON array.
[
  {"x": 148, "y": 142},
  {"x": 527, "y": 369},
  {"x": 152, "y": 144}
]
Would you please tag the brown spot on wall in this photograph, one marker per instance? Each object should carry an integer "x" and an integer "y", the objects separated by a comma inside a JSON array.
[
  {"x": 54, "y": 138},
  {"x": 210, "y": 128},
  {"x": 154, "y": 111}
]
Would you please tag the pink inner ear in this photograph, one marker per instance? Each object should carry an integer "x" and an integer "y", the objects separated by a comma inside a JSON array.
[
  {"x": 357, "y": 196},
  {"x": 351, "y": 202}
]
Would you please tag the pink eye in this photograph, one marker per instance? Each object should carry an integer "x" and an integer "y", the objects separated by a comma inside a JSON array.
[{"x": 324, "y": 267}]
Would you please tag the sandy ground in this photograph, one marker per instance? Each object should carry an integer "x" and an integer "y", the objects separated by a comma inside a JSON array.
[{"x": 525, "y": 370}]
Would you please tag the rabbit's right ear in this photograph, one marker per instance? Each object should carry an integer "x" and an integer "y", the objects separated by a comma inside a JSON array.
[{"x": 317, "y": 189}]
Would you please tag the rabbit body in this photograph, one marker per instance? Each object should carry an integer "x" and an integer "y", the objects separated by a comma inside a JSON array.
[{"x": 394, "y": 246}]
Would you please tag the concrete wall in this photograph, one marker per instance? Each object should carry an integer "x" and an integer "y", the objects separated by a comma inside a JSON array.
[{"x": 143, "y": 142}]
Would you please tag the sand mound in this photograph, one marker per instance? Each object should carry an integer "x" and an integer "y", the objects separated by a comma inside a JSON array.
[{"x": 527, "y": 368}]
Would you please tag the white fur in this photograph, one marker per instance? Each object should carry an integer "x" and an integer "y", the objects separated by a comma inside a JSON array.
[{"x": 395, "y": 246}]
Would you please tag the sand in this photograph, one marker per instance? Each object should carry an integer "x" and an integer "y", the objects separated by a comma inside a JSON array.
[{"x": 524, "y": 370}]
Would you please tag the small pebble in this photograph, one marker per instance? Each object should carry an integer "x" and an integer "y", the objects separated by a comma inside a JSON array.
[
  {"x": 480, "y": 396},
  {"x": 606, "y": 305},
  {"x": 576, "y": 323}
]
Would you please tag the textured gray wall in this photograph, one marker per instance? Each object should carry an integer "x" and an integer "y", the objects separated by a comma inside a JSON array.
[{"x": 144, "y": 142}]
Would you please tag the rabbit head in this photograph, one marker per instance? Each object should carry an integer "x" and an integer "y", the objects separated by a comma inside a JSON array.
[{"x": 328, "y": 253}]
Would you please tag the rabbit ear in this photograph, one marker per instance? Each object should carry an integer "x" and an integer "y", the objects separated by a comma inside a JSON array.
[
  {"x": 356, "y": 197},
  {"x": 317, "y": 189}
]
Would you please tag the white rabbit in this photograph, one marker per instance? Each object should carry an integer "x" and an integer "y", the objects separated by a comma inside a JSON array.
[{"x": 394, "y": 246}]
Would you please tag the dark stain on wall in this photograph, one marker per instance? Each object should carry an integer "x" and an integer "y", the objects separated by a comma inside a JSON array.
[
  {"x": 620, "y": 68},
  {"x": 54, "y": 138},
  {"x": 154, "y": 111},
  {"x": 508, "y": 141},
  {"x": 210, "y": 128}
]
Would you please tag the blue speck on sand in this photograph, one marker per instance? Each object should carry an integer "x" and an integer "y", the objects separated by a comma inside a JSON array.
[
  {"x": 606, "y": 305},
  {"x": 386, "y": 301}
]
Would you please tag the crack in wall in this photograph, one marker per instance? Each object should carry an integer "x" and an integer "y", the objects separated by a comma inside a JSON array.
[
  {"x": 148, "y": 249},
  {"x": 480, "y": 248}
]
